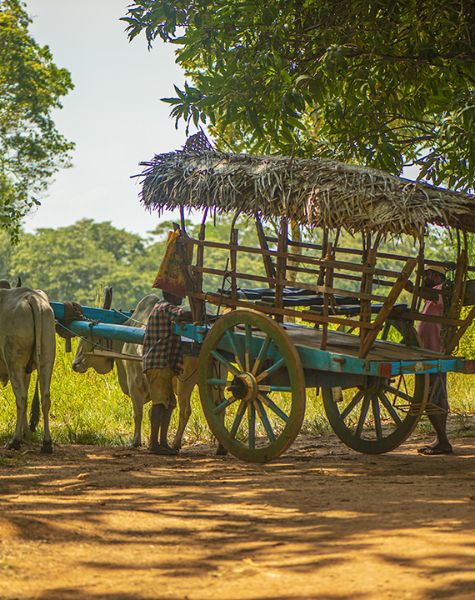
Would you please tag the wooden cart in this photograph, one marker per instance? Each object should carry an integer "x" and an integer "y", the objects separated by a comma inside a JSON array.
[{"x": 321, "y": 315}]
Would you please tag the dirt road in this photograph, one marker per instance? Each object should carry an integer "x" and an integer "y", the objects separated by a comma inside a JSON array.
[{"x": 322, "y": 522}]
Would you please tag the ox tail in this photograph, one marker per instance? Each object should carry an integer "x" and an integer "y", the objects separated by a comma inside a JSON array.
[
  {"x": 36, "y": 356},
  {"x": 36, "y": 314},
  {"x": 35, "y": 407}
]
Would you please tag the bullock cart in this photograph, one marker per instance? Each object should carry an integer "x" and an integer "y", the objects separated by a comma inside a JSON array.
[{"x": 315, "y": 317}]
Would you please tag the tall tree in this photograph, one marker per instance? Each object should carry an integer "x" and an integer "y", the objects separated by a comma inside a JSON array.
[
  {"x": 31, "y": 85},
  {"x": 385, "y": 84}
]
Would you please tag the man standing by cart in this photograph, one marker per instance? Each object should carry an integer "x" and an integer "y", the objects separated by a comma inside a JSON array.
[
  {"x": 162, "y": 352},
  {"x": 162, "y": 360},
  {"x": 430, "y": 336}
]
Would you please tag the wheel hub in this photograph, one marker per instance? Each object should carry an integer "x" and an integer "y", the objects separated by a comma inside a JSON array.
[{"x": 244, "y": 386}]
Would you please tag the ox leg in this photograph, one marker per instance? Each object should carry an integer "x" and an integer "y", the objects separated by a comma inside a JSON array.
[
  {"x": 20, "y": 391},
  {"x": 45, "y": 382},
  {"x": 24, "y": 424},
  {"x": 184, "y": 390}
]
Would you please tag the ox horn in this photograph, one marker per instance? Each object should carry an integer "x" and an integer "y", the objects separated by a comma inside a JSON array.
[
  {"x": 107, "y": 298},
  {"x": 18, "y": 283}
]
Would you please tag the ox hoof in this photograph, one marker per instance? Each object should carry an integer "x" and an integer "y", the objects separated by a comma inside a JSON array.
[
  {"x": 13, "y": 445},
  {"x": 221, "y": 450},
  {"x": 47, "y": 447},
  {"x": 136, "y": 444}
]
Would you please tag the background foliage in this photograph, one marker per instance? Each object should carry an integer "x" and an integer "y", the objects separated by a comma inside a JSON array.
[
  {"x": 31, "y": 86},
  {"x": 77, "y": 261},
  {"x": 385, "y": 84}
]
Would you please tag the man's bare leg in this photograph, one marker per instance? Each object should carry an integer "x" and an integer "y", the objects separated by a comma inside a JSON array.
[
  {"x": 163, "y": 416},
  {"x": 438, "y": 418},
  {"x": 155, "y": 420},
  {"x": 441, "y": 444},
  {"x": 165, "y": 424}
]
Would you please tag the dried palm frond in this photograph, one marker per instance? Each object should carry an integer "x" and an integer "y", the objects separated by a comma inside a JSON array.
[{"x": 313, "y": 192}]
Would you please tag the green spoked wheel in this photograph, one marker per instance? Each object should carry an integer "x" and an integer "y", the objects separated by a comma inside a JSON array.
[
  {"x": 252, "y": 386},
  {"x": 380, "y": 414}
]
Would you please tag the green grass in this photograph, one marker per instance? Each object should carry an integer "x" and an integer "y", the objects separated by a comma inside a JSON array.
[
  {"x": 88, "y": 408},
  {"x": 91, "y": 409}
]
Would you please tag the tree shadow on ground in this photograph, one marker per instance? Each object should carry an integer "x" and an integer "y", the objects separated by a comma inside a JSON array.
[{"x": 304, "y": 513}]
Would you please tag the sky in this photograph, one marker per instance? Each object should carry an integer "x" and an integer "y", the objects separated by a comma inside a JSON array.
[{"x": 114, "y": 114}]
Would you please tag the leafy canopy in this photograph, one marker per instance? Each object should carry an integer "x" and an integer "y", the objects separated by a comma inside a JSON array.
[
  {"x": 31, "y": 85},
  {"x": 379, "y": 83},
  {"x": 77, "y": 261}
]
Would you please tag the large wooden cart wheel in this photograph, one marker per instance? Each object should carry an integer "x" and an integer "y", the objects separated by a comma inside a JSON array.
[
  {"x": 379, "y": 415},
  {"x": 252, "y": 385}
]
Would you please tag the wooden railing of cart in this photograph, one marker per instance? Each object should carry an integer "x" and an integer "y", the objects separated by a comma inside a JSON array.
[{"x": 330, "y": 266}]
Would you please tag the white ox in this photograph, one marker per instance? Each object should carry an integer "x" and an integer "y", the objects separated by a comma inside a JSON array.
[
  {"x": 27, "y": 342},
  {"x": 131, "y": 377}
]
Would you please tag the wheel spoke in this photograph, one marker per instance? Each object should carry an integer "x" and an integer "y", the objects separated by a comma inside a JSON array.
[
  {"x": 376, "y": 416},
  {"x": 362, "y": 419},
  {"x": 251, "y": 420},
  {"x": 225, "y": 362},
  {"x": 265, "y": 420},
  {"x": 238, "y": 418},
  {"x": 273, "y": 406},
  {"x": 399, "y": 393},
  {"x": 247, "y": 347},
  {"x": 262, "y": 354},
  {"x": 357, "y": 398},
  {"x": 220, "y": 382},
  {"x": 270, "y": 369},
  {"x": 232, "y": 343},
  {"x": 390, "y": 408},
  {"x": 224, "y": 404}
]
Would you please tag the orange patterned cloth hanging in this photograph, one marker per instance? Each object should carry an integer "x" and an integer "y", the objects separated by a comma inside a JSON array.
[{"x": 174, "y": 272}]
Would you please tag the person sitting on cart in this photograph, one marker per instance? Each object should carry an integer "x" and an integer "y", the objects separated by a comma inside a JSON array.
[
  {"x": 430, "y": 337},
  {"x": 162, "y": 360}
]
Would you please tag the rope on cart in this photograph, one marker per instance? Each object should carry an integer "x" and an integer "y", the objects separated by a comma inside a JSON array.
[{"x": 129, "y": 318}]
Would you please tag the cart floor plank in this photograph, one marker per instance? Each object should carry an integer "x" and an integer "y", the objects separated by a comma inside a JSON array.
[{"x": 346, "y": 343}]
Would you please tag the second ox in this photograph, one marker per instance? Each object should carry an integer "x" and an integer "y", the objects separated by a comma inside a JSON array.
[{"x": 131, "y": 377}]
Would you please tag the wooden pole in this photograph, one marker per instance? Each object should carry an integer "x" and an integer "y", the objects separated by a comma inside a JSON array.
[
  {"x": 281, "y": 266},
  {"x": 266, "y": 257},
  {"x": 326, "y": 298},
  {"x": 233, "y": 258},
  {"x": 198, "y": 307}
]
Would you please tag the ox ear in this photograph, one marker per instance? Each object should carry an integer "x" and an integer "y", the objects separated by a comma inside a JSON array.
[
  {"x": 107, "y": 298},
  {"x": 18, "y": 283},
  {"x": 4, "y": 284}
]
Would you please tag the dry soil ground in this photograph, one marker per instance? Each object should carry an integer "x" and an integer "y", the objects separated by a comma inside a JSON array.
[{"x": 321, "y": 522}]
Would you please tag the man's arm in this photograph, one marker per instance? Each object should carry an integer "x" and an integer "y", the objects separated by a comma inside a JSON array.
[
  {"x": 180, "y": 315},
  {"x": 185, "y": 317}
]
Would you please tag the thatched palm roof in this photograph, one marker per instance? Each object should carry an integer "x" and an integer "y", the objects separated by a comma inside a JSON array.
[{"x": 314, "y": 192}]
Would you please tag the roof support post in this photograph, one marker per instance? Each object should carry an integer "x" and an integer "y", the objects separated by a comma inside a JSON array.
[
  {"x": 281, "y": 275},
  {"x": 268, "y": 264}
]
